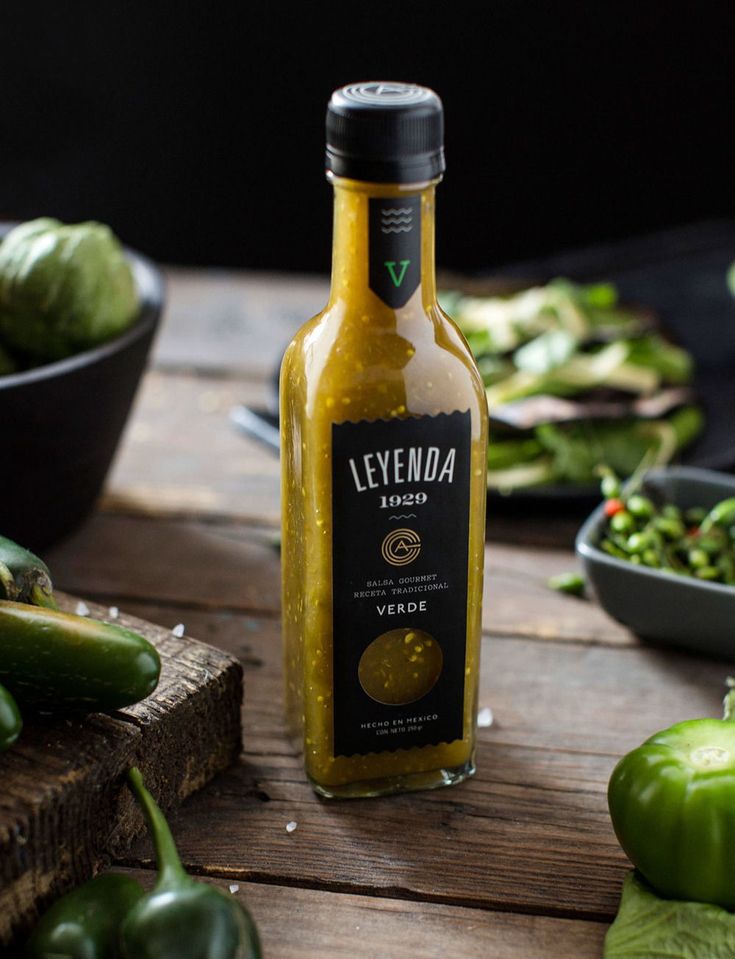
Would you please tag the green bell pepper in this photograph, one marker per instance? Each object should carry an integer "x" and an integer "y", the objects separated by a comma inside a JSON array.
[{"x": 672, "y": 804}]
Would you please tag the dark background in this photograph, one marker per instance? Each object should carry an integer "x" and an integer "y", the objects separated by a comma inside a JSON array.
[{"x": 196, "y": 130}]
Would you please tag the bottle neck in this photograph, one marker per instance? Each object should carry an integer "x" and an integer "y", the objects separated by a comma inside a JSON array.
[{"x": 383, "y": 244}]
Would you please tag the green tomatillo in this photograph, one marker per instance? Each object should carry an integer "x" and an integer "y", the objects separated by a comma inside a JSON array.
[
  {"x": 672, "y": 804},
  {"x": 63, "y": 288}
]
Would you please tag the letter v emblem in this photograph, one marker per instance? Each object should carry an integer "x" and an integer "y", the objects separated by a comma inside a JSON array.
[{"x": 391, "y": 267}]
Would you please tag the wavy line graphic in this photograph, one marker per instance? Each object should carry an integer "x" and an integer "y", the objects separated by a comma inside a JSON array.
[
  {"x": 395, "y": 220},
  {"x": 403, "y": 516},
  {"x": 396, "y": 229},
  {"x": 397, "y": 210}
]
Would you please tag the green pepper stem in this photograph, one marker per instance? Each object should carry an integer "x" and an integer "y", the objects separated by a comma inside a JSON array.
[
  {"x": 170, "y": 870},
  {"x": 41, "y": 597}
]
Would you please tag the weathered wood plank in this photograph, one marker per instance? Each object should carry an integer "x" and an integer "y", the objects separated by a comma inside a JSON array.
[
  {"x": 549, "y": 695},
  {"x": 217, "y": 565},
  {"x": 531, "y": 832},
  {"x": 181, "y": 457},
  {"x": 57, "y": 808},
  {"x": 211, "y": 565},
  {"x": 518, "y": 601},
  {"x": 313, "y": 924},
  {"x": 234, "y": 320},
  {"x": 63, "y": 810}
]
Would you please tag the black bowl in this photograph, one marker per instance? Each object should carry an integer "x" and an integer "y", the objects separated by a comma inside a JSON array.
[{"x": 60, "y": 424}]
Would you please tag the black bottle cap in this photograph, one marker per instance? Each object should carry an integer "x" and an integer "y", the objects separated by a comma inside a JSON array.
[{"x": 385, "y": 132}]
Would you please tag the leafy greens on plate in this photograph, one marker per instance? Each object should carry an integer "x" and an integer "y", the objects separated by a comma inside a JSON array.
[{"x": 575, "y": 379}]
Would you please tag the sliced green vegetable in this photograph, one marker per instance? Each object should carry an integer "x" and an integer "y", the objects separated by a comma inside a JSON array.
[
  {"x": 674, "y": 364},
  {"x": 546, "y": 352},
  {"x": 521, "y": 477},
  {"x": 687, "y": 424},
  {"x": 598, "y": 296},
  {"x": 648, "y": 927},
  {"x": 505, "y": 454},
  {"x": 573, "y": 583},
  {"x": 566, "y": 341}
]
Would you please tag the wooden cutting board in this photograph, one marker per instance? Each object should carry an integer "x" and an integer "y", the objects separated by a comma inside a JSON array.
[{"x": 64, "y": 808}]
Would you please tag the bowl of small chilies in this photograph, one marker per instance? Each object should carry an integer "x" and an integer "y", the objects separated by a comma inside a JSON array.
[{"x": 659, "y": 554}]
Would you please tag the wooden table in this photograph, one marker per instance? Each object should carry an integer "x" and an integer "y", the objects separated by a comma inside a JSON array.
[{"x": 519, "y": 862}]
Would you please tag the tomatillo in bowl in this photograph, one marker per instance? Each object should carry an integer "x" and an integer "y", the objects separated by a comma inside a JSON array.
[
  {"x": 672, "y": 804},
  {"x": 61, "y": 422}
]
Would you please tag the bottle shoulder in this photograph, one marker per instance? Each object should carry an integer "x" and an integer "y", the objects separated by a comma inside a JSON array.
[
  {"x": 341, "y": 326},
  {"x": 354, "y": 364}
]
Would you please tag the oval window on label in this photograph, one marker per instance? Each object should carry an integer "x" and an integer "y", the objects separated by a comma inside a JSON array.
[{"x": 400, "y": 666}]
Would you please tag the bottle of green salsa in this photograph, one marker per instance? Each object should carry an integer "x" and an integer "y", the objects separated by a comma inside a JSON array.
[{"x": 384, "y": 437}]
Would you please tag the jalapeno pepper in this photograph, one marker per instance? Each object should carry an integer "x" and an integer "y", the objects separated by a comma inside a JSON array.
[
  {"x": 23, "y": 576},
  {"x": 85, "y": 924},
  {"x": 10, "y": 721},
  {"x": 53, "y": 659},
  {"x": 182, "y": 918}
]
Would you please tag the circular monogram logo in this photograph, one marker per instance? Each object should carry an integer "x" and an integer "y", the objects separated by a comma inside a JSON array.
[{"x": 401, "y": 547}]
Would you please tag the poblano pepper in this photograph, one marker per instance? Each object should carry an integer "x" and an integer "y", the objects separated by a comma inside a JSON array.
[
  {"x": 10, "y": 721},
  {"x": 23, "y": 576},
  {"x": 182, "y": 918},
  {"x": 672, "y": 804},
  {"x": 85, "y": 924}
]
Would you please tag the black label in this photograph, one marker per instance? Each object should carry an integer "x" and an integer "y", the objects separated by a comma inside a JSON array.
[
  {"x": 400, "y": 546},
  {"x": 395, "y": 248}
]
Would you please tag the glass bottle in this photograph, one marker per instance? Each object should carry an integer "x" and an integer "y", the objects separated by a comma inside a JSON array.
[{"x": 384, "y": 450}]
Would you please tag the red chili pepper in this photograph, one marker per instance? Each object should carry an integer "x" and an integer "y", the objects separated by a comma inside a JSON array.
[{"x": 613, "y": 506}]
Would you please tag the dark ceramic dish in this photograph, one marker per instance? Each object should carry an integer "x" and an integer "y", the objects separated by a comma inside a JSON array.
[
  {"x": 657, "y": 605},
  {"x": 60, "y": 424}
]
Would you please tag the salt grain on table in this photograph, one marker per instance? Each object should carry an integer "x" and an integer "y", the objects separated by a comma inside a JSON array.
[
  {"x": 234, "y": 887},
  {"x": 290, "y": 826},
  {"x": 113, "y": 612},
  {"x": 81, "y": 609},
  {"x": 178, "y": 630},
  {"x": 485, "y": 717}
]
